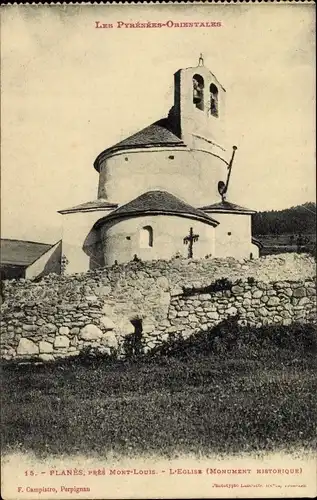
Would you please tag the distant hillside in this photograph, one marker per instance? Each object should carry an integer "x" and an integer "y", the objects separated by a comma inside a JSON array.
[{"x": 294, "y": 220}]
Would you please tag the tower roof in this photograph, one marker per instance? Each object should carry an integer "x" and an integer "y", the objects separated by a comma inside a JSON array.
[
  {"x": 159, "y": 134},
  {"x": 227, "y": 207},
  {"x": 90, "y": 206},
  {"x": 158, "y": 203}
]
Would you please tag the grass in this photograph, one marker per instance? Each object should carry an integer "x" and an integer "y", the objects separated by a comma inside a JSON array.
[
  {"x": 282, "y": 243},
  {"x": 250, "y": 397}
]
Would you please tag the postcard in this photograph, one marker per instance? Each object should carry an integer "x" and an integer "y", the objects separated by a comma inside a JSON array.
[{"x": 158, "y": 250}]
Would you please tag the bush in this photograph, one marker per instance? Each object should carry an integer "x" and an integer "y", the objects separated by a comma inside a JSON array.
[{"x": 229, "y": 338}]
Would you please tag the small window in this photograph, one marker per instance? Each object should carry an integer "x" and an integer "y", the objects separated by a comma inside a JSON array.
[
  {"x": 213, "y": 100},
  {"x": 146, "y": 237},
  {"x": 128, "y": 237},
  {"x": 171, "y": 157},
  {"x": 198, "y": 91},
  {"x": 229, "y": 233}
]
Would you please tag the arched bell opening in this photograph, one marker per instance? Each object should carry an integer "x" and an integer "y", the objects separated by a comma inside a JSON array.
[
  {"x": 198, "y": 91},
  {"x": 214, "y": 105}
]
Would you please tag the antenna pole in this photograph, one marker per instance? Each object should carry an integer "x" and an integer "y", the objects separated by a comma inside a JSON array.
[{"x": 234, "y": 149}]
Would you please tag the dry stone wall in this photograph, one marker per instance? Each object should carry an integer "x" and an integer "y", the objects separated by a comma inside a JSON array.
[{"x": 60, "y": 316}]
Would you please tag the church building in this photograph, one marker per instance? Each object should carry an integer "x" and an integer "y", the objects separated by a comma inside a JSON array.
[{"x": 163, "y": 191}]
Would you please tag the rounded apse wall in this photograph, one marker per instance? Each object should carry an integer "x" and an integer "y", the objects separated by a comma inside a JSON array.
[
  {"x": 154, "y": 237},
  {"x": 192, "y": 176}
]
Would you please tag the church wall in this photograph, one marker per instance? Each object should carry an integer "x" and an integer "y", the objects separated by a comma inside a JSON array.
[
  {"x": 61, "y": 316},
  {"x": 237, "y": 244},
  {"x": 122, "y": 240},
  {"x": 50, "y": 262},
  {"x": 192, "y": 176},
  {"x": 76, "y": 229}
]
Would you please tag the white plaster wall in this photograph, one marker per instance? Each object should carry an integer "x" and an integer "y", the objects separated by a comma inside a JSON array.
[
  {"x": 168, "y": 235},
  {"x": 255, "y": 251},
  {"x": 192, "y": 176},
  {"x": 76, "y": 228},
  {"x": 39, "y": 265},
  {"x": 238, "y": 243}
]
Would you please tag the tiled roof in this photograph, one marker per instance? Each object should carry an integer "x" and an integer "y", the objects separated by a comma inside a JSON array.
[
  {"x": 158, "y": 203},
  {"x": 89, "y": 206},
  {"x": 21, "y": 253},
  {"x": 158, "y": 134},
  {"x": 226, "y": 206}
]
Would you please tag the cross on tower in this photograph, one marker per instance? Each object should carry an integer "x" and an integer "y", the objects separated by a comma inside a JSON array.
[{"x": 190, "y": 240}]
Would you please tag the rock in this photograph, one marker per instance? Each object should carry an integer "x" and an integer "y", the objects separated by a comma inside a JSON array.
[
  {"x": 148, "y": 328},
  {"x": 46, "y": 357},
  {"x": 91, "y": 298},
  {"x": 232, "y": 311},
  {"x": 164, "y": 299},
  {"x": 125, "y": 327},
  {"x": 107, "y": 310},
  {"x": 176, "y": 291},
  {"x": 61, "y": 341},
  {"x": 237, "y": 290},
  {"x": 277, "y": 319},
  {"x": 27, "y": 347},
  {"x": 103, "y": 290},
  {"x": 182, "y": 314},
  {"x": 204, "y": 296},
  {"x": 303, "y": 301},
  {"x": 257, "y": 294},
  {"x": 192, "y": 318},
  {"x": 163, "y": 282},
  {"x": 104, "y": 350},
  {"x": 48, "y": 328},
  {"x": 45, "y": 347},
  {"x": 18, "y": 315},
  {"x": 299, "y": 292},
  {"x": 107, "y": 323},
  {"x": 29, "y": 328},
  {"x": 213, "y": 315},
  {"x": 64, "y": 330},
  {"x": 287, "y": 322},
  {"x": 90, "y": 332},
  {"x": 110, "y": 340},
  {"x": 273, "y": 301},
  {"x": 74, "y": 331},
  {"x": 263, "y": 311},
  {"x": 171, "y": 329}
]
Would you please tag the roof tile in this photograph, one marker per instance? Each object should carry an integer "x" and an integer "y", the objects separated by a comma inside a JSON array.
[
  {"x": 21, "y": 253},
  {"x": 156, "y": 203},
  {"x": 226, "y": 206},
  {"x": 160, "y": 133}
]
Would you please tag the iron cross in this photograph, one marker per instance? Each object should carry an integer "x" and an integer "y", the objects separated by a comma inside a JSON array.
[{"x": 190, "y": 240}]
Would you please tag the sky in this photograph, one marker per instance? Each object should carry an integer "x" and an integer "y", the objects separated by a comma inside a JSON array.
[{"x": 70, "y": 90}]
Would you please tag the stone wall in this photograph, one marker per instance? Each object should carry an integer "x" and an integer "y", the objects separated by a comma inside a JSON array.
[{"x": 60, "y": 316}]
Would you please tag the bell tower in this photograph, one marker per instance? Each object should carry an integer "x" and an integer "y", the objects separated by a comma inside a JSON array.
[{"x": 199, "y": 108}]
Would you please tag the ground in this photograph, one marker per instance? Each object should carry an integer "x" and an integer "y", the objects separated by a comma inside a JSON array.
[{"x": 194, "y": 402}]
